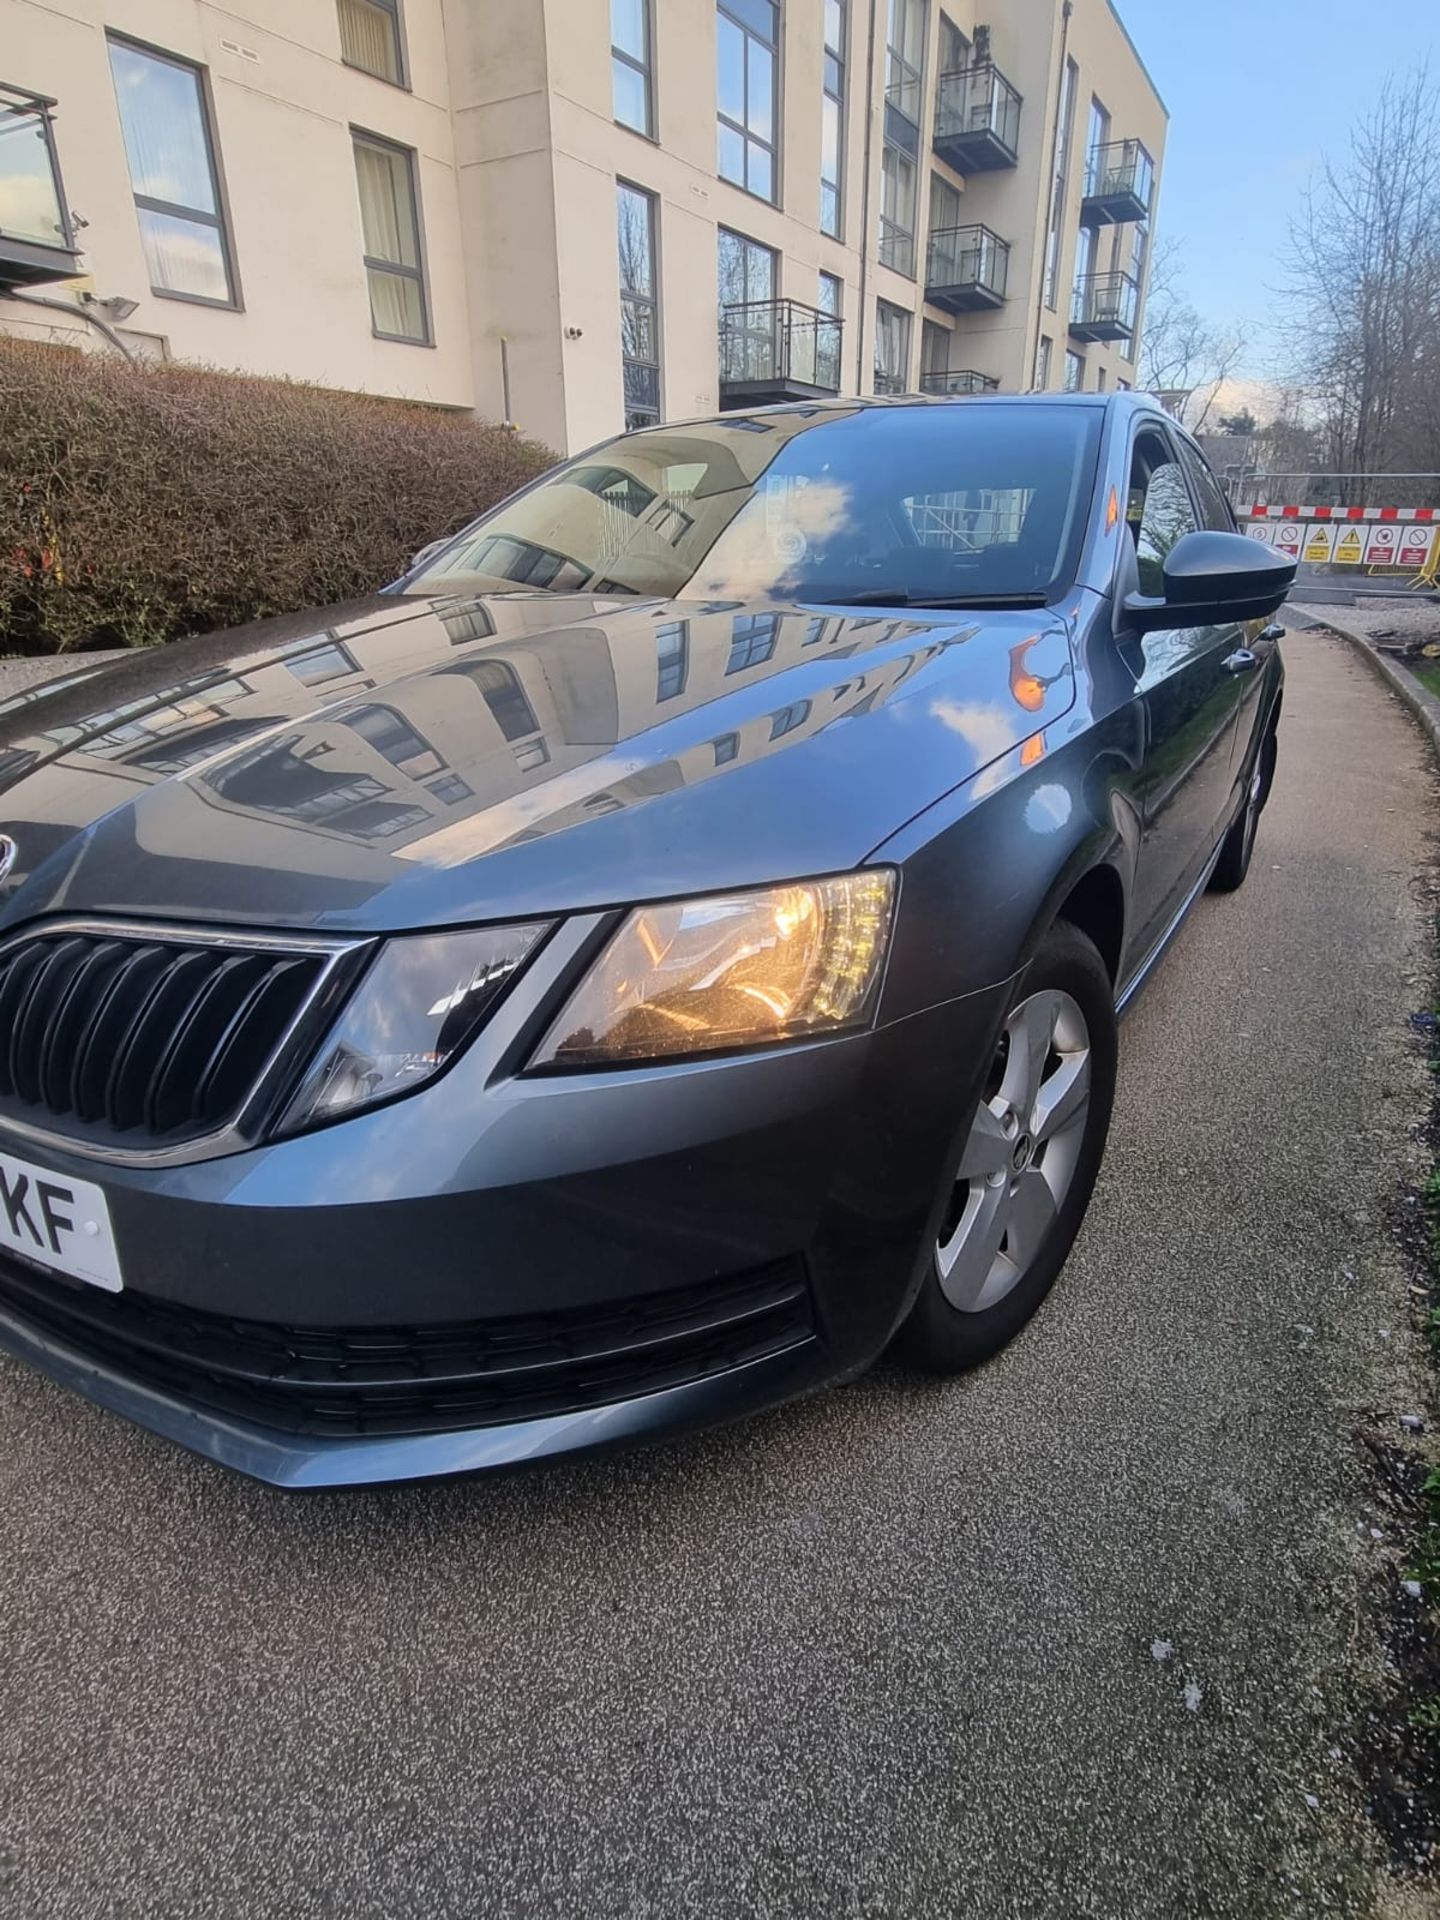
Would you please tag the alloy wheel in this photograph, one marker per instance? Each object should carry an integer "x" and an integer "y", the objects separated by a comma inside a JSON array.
[{"x": 1021, "y": 1155}]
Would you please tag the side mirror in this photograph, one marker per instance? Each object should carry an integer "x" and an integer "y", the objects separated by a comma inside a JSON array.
[{"x": 1211, "y": 578}]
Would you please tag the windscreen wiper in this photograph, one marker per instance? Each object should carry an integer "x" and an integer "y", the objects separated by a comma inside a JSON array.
[{"x": 889, "y": 597}]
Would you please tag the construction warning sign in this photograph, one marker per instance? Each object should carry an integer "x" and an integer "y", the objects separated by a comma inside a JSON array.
[
  {"x": 1415, "y": 544},
  {"x": 1383, "y": 545},
  {"x": 1349, "y": 548},
  {"x": 1259, "y": 530},
  {"x": 1288, "y": 536},
  {"x": 1319, "y": 545}
]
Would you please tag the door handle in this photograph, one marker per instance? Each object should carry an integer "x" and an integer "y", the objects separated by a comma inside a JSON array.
[
  {"x": 1241, "y": 661},
  {"x": 1273, "y": 632}
]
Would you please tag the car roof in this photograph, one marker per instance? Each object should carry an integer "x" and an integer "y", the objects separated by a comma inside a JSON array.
[{"x": 1116, "y": 402}]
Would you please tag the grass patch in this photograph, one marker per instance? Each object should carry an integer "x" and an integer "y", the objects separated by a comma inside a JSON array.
[{"x": 1427, "y": 672}]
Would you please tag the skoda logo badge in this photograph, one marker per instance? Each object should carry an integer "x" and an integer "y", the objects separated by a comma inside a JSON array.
[{"x": 8, "y": 853}]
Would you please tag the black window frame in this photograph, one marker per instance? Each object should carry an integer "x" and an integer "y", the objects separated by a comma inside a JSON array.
[
  {"x": 672, "y": 663},
  {"x": 645, "y": 71},
  {"x": 220, "y": 219},
  {"x": 832, "y": 87},
  {"x": 1203, "y": 479},
  {"x": 640, "y": 416},
  {"x": 396, "y": 10},
  {"x": 742, "y": 14},
  {"x": 420, "y": 274}
]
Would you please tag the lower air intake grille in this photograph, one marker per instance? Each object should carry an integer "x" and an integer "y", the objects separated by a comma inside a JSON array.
[
  {"x": 142, "y": 1041},
  {"x": 427, "y": 1379}
]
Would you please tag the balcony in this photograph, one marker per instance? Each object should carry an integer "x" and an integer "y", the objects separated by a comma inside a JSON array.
[
  {"x": 977, "y": 119},
  {"x": 966, "y": 269},
  {"x": 961, "y": 380},
  {"x": 1105, "y": 307},
  {"x": 777, "y": 350},
  {"x": 37, "y": 241},
  {"x": 1119, "y": 185}
]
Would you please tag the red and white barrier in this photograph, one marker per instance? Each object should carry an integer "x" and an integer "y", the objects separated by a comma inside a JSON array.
[{"x": 1321, "y": 536}]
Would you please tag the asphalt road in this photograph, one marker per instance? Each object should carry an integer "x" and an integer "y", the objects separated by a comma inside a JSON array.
[{"x": 888, "y": 1652}]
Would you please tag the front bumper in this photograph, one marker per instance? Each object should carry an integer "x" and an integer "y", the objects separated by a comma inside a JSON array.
[{"x": 502, "y": 1269}]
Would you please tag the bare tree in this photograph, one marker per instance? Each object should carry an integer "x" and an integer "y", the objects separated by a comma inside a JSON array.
[
  {"x": 1181, "y": 354},
  {"x": 1364, "y": 267}
]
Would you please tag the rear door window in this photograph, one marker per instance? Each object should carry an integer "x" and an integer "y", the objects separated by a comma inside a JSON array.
[{"x": 1214, "y": 508}]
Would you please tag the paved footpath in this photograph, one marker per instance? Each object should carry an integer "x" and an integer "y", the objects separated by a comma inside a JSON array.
[{"x": 885, "y": 1653}]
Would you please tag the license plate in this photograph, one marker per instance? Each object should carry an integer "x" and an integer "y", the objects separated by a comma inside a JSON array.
[{"x": 57, "y": 1222}]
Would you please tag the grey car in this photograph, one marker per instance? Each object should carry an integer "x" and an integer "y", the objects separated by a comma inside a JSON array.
[{"x": 658, "y": 956}]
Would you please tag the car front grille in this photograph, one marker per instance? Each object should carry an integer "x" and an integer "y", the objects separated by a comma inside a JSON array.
[
  {"x": 406, "y": 1380},
  {"x": 142, "y": 1039}
]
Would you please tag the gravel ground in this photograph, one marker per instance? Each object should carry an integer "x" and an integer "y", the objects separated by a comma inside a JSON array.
[
  {"x": 1076, "y": 1637},
  {"x": 1405, "y": 618}
]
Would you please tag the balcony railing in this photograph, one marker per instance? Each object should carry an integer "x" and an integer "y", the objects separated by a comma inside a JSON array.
[
  {"x": 958, "y": 380},
  {"x": 966, "y": 268},
  {"x": 889, "y": 382},
  {"x": 1119, "y": 185},
  {"x": 1105, "y": 307},
  {"x": 37, "y": 240},
  {"x": 778, "y": 349},
  {"x": 977, "y": 119}
]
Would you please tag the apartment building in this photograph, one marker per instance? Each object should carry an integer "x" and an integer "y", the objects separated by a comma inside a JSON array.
[{"x": 582, "y": 214}]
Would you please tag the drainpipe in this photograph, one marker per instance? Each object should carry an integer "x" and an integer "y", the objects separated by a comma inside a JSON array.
[
  {"x": 865, "y": 199},
  {"x": 75, "y": 313},
  {"x": 1065, "y": 13}
]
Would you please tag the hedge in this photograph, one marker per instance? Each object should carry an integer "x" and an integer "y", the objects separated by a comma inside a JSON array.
[{"x": 140, "y": 503}]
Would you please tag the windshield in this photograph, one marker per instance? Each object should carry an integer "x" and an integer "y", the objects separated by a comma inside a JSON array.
[{"x": 950, "y": 504}]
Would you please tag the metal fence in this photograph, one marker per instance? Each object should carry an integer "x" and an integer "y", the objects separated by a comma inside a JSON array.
[{"x": 1250, "y": 486}]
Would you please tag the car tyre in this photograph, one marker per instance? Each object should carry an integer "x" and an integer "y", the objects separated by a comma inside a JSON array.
[
  {"x": 1029, "y": 1163},
  {"x": 1239, "y": 843}
]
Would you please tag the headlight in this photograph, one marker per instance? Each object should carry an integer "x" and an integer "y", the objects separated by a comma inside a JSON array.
[
  {"x": 738, "y": 970},
  {"x": 421, "y": 1000}
]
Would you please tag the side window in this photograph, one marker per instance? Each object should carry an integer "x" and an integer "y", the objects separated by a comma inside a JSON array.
[
  {"x": 1158, "y": 510},
  {"x": 1214, "y": 510}
]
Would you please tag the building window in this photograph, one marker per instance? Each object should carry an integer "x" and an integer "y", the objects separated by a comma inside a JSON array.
[
  {"x": 1122, "y": 386},
  {"x": 1084, "y": 260},
  {"x": 390, "y": 223},
  {"x": 1043, "y": 349},
  {"x": 1100, "y": 379},
  {"x": 725, "y": 748},
  {"x": 905, "y": 57},
  {"x": 954, "y": 47},
  {"x": 173, "y": 175},
  {"x": 897, "y": 209},
  {"x": 934, "y": 348},
  {"x": 370, "y": 38},
  {"x": 892, "y": 348},
  {"x": 830, "y": 294},
  {"x": 1061, "y": 185},
  {"x": 639, "y": 305},
  {"x": 1074, "y": 372},
  {"x": 631, "y": 64},
  {"x": 752, "y": 640},
  {"x": 672, "y": 659},
  {"x": 747, "y": 270},
  {"x": 832, "y": 118},
  {"x": 390, "y": 734},
  {"x": 747, "y": 44},
  {"x": 1099, "y": 135},
  {"x": 788, "y": 718},
  {"x": 313, "y": 666}
]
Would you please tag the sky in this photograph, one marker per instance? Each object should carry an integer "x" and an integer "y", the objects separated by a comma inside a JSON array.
[{"x": 1258, "y": 91}]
